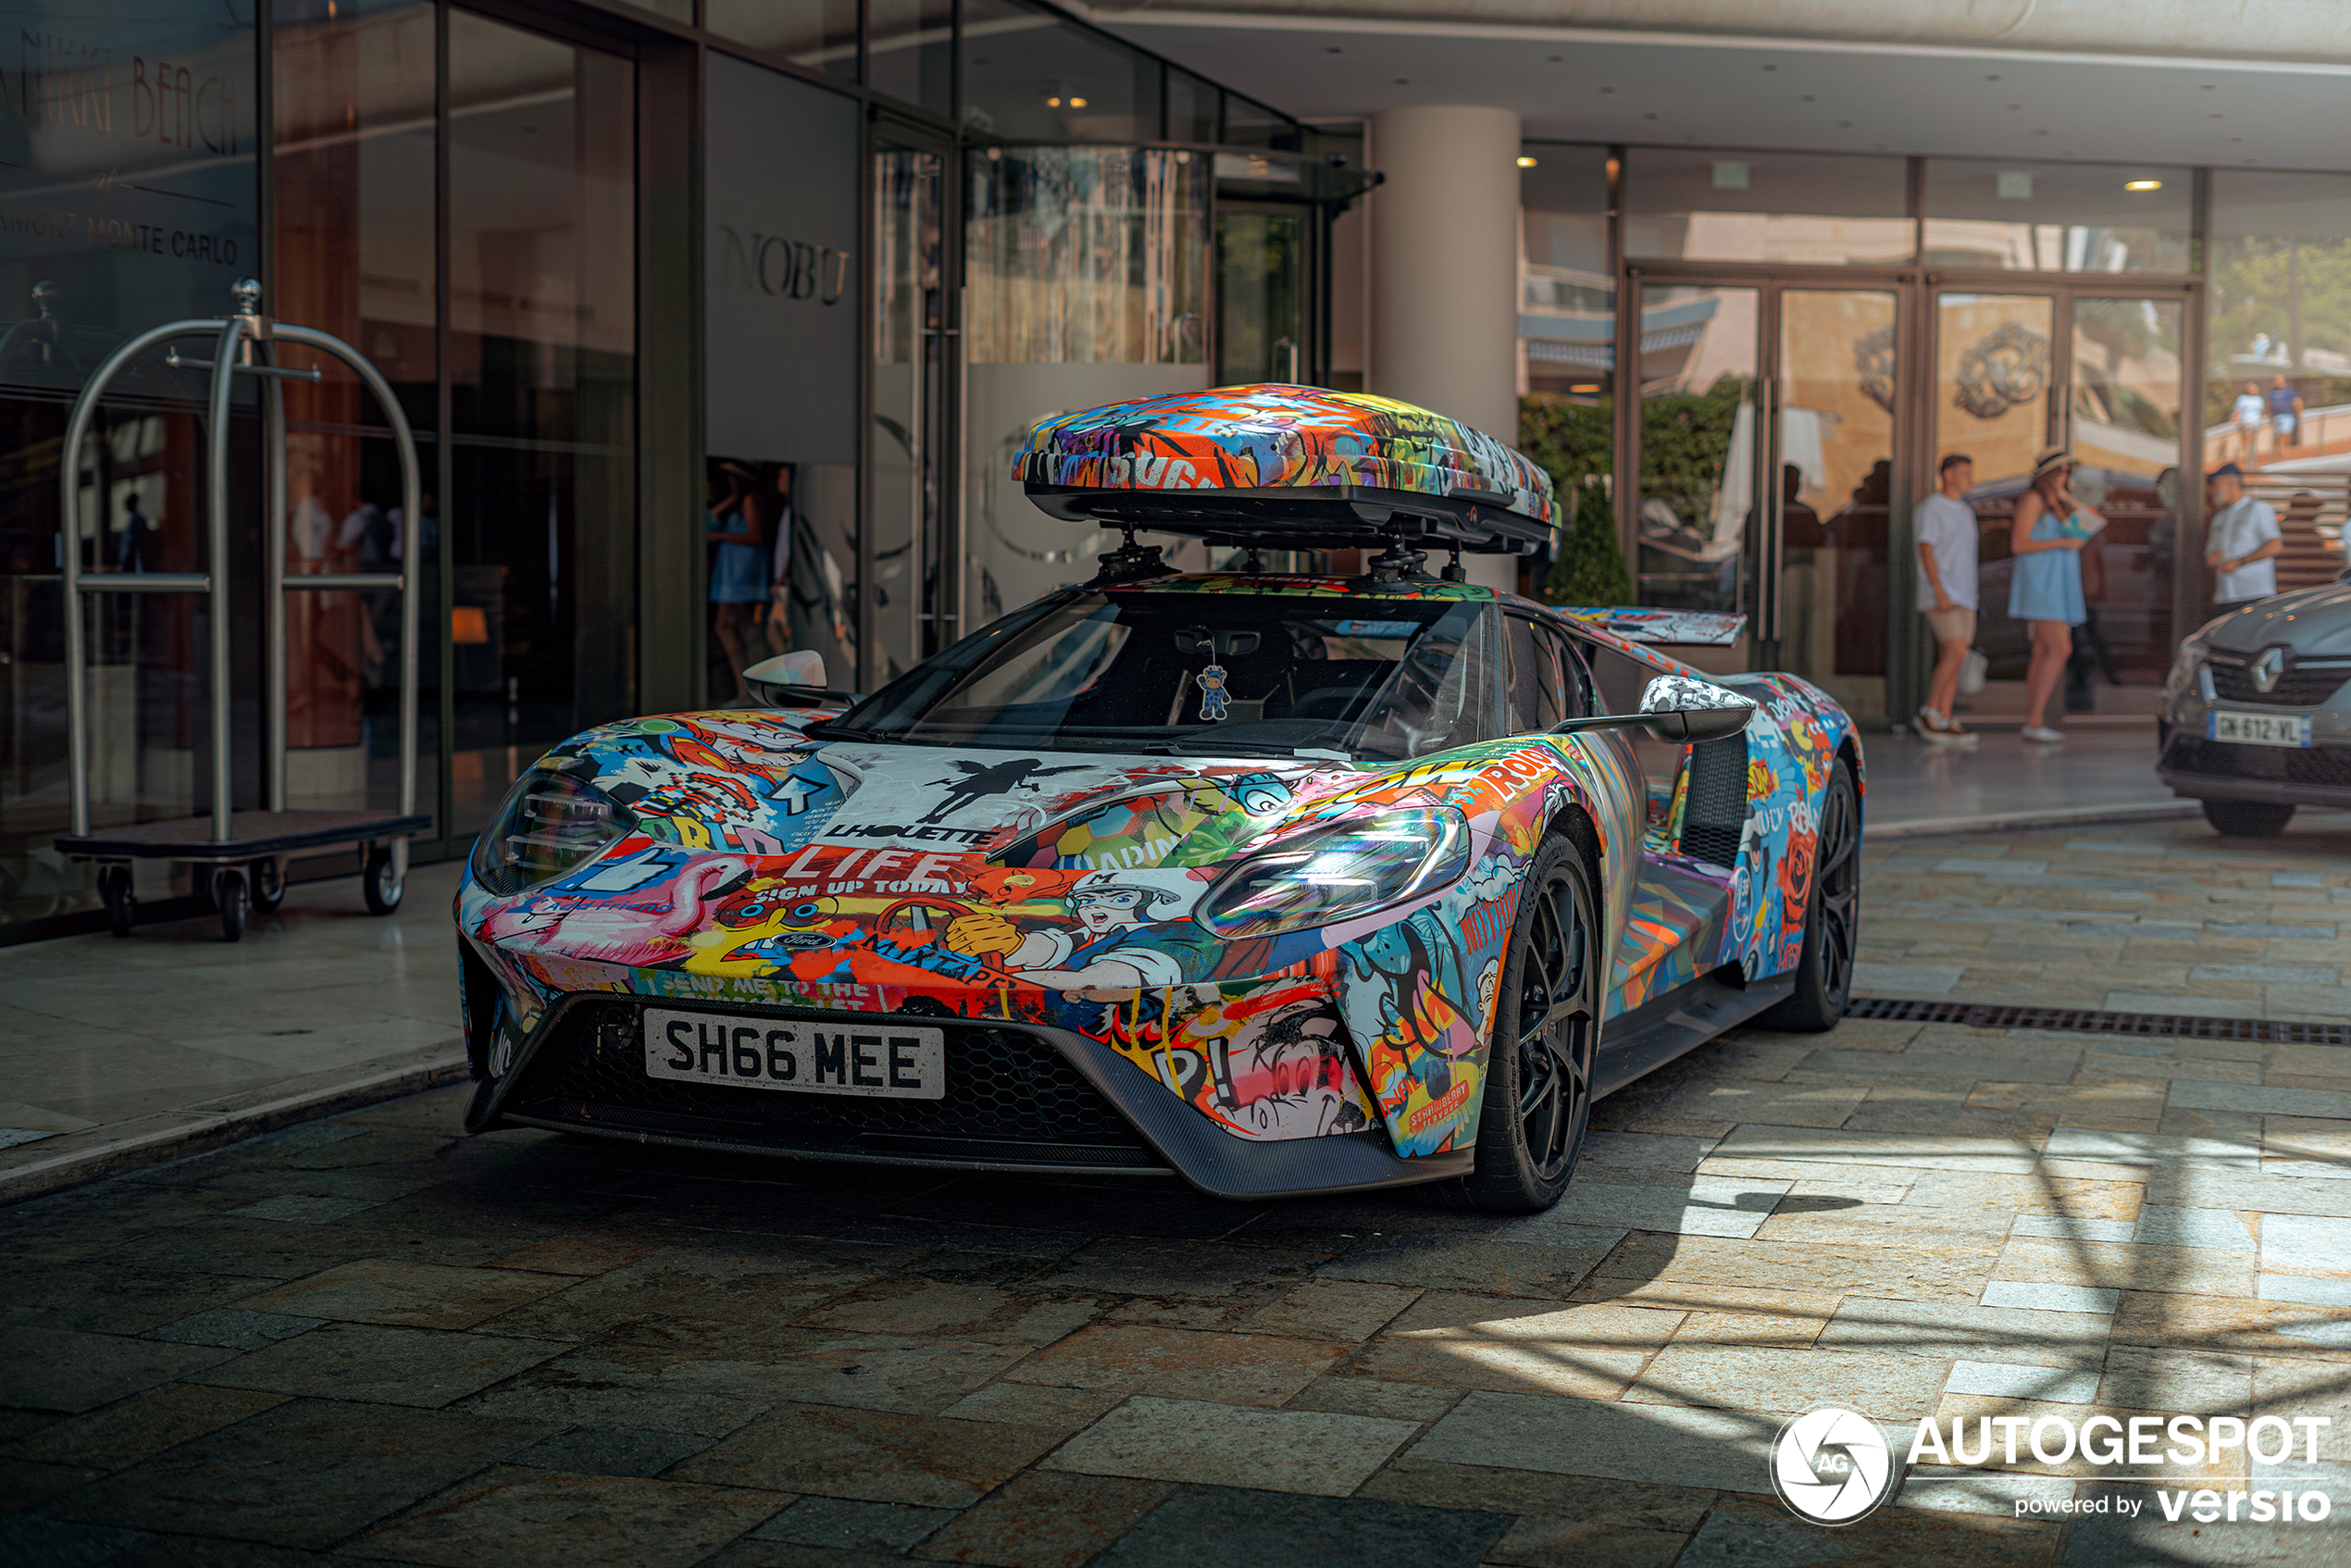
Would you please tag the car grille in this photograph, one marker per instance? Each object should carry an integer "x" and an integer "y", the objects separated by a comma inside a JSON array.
[
  {"x": 1010, "y": 1097},
  {"x": 2299, "y": 686},
  {"x": 2326, "y": 767}
]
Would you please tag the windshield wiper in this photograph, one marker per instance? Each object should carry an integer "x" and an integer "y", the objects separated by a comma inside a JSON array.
[{"x": 839, "y": 732}]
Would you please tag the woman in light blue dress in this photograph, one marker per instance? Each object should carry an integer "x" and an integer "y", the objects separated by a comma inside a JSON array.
[{"x": 2045, "y": 589}]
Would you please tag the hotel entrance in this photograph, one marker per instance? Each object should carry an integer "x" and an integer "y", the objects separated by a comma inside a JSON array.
[{"x": 1788, "y": 421}]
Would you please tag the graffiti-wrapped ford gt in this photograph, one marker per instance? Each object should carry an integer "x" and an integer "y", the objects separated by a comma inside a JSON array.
[{"x": 1274, "y": 883}]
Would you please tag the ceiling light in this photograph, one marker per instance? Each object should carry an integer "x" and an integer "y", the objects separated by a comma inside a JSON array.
[
  {"x": 1077, "y": 102},
  {"x": 1525, "y": 162},
  {"x": 1585, "y": 387},
  {"x": 1052, "y": 103},
  {"x": 2143, "y": 184}
]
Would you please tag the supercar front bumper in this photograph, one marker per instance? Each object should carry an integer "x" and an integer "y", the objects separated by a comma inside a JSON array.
[{"x": 1020, "y": 1097}]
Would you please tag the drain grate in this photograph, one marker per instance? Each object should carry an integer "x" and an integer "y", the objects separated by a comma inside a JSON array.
[{"x": 2087, "y": 1021}]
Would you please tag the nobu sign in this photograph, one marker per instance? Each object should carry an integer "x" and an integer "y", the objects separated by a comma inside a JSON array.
[{"x": 772, "y": 265}]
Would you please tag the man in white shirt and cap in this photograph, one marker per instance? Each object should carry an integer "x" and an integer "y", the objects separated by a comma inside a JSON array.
[
  {"x": 1948, "y": 538},
  {"x": 2242, "y": 543}
]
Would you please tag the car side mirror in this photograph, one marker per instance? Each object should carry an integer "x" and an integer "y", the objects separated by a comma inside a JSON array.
[
  {"x": 794, "y": 680},
  {"x": 1678, "y": 711}
]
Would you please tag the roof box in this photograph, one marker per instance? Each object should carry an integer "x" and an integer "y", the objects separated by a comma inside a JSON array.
[{"x": 1287, "y": 467}]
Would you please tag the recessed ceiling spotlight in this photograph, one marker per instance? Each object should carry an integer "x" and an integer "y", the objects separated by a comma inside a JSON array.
[
  {"x": 1403, "y": 81},
  {"x": 2216, "y": 117},
  {"x": 1525, "y": 162},
  {"x": 1333, "y": 49},
  {"x": 2208, "y": 87},
  {"x": 2143, "y": 184},
  {"x": 1845, "y": 124},
  {"x": 1557, "y": 58},
  {"x": 1608, "y": 89},
  {"x": 1805, "y": 99},
  {"x": 1991, "y": 79},
  {"x": 2040, "y": 133},
  {"x": 1649, "y": 116},
  {"x": 1770, "y": 67}
]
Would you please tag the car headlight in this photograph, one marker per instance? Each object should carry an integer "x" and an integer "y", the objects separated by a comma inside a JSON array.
[
  {"x": 1338, "y": 871},
  {"x": 2183, "y": 669},
  {"x": 549, "y": 824}
]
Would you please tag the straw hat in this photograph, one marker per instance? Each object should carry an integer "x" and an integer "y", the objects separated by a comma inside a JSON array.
[{"x": 2057, "y": 457}]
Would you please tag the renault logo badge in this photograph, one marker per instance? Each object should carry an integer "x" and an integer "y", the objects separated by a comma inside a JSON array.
[{"x": 2268, "y": 669}]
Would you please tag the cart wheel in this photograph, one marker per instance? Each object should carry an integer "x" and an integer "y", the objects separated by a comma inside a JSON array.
[
  {"x": 228, "y": 897},
  {"x": 380, "y": 882},
  {"x": 114, "y": 886},
  {"x": 266, "y": 881}
]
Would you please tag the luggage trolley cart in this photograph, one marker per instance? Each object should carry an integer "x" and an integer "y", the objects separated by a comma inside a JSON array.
[{"x": 246, "y": 851}]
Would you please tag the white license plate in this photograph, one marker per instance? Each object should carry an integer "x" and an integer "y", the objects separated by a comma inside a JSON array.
[
  {"x": 889, "y": 1060},
  {"x": 2258, "y": 729}
]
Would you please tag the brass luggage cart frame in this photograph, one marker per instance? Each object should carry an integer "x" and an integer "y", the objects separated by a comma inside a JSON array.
[{"x": 245, "y": 851}]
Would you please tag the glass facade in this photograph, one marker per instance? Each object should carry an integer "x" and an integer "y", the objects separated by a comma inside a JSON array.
[
  {"x": 927, "y": 222},
  {"x": 1998, "y": 308}
]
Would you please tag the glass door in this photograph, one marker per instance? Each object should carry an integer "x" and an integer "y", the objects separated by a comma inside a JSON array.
[
  {"x": 915, "y": 360},
  {"x": 2101, "y": 373},
  {"x": 1262, "y": 317},
  {"x": 1701, "y": 381},
  {"x": 1766, "y": 470},
  {"x": 1823, "y": 607}
]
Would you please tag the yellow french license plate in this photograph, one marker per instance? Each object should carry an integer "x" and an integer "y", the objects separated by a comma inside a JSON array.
[{"x": 855, "y": 1056}]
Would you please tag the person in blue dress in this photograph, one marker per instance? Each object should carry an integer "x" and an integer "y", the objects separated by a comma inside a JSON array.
[
  {"x": 739, "y": 499},
  {"x": 2045, "y": 589}
]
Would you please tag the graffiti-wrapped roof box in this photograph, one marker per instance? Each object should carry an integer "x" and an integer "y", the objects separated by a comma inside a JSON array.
[{"x": 1289, "y": 467}]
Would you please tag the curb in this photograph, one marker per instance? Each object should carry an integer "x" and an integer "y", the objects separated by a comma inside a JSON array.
[
  {"x": 2054, "y": 816},
  {"x": 49, "y": 1164}
]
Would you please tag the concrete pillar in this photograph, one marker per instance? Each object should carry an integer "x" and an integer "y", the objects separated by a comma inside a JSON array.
[{"x": 1444, "y": 272}]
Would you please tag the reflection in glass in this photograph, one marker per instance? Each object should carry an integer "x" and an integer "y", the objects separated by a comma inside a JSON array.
[
  {"x": 1261, "y": 295},
  {"x": 2126, "y": 434},
  {"x": 1838, "y": 378},
  {"x": 1699, "y": 366},
  {"x": 2055, "y": 218},
  {"x": 910, "y": 51},
  {"x": 2280, "y": 263},
  {"x": 1030, "y": 74},
  {"x": 77, "y": 181},
  {"x": 542, "y": 372},
  {"x": 820, "y": 35},
  {"x": 1567, "y": 334},
  {"x": 1992, "y": 377},
  {"x": 1085, "y": 271},
  {"x": 911, "y": 366},
  {"x": 1824, "y": 209},
  {"x": 354, "y": 234}
]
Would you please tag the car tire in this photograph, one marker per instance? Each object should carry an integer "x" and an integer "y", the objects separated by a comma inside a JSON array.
[
  {"x": 1831, "y": 918},
  {"x": 1546, "y": 1028},
  {"x": 2247, "y": 819}
]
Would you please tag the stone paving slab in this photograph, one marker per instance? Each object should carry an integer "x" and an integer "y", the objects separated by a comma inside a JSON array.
[{"x": 369, "y": 1336}]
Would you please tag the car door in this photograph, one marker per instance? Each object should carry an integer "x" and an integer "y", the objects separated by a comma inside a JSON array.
[{"x": 1673, "y": 927}]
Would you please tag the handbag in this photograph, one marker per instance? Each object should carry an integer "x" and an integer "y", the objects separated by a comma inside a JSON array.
[{"x": 1973, "y": 670}]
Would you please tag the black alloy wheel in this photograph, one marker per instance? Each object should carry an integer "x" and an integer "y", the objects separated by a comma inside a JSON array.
[
  {"x": 1832, "y": 918},
  {"x": 1546, "y": 1028}
]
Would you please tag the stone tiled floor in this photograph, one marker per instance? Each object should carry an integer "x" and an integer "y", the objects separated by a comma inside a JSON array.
[
  {"x": 100, "y": 1036},
  {"x": 368, "y": 1337},
  {"x": 2144, "y": 917}
]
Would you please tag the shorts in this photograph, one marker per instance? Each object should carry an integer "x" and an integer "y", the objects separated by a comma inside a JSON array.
[
  {"x": 1954, "y": 624},
  {"x": 2283, "y": 422}
]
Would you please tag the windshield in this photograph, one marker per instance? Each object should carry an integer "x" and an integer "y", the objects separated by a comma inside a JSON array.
[{"x": 1186, "y": 673}]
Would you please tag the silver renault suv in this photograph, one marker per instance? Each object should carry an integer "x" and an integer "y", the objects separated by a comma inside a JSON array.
[{"x": 2256, "y": 715}]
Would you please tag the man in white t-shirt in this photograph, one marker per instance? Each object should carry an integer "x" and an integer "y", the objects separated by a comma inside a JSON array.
[
  {"x": 2242, "y": 543},
  {"x": 1947, "y": 532}
]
